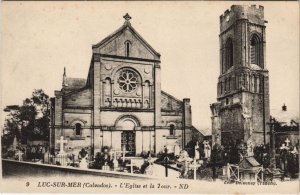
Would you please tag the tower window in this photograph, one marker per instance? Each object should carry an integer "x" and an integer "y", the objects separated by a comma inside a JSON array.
[
  {"x": 228, "y": 54},
  {"x": 255, "y": 50},
  {"x": 78, "y": 129},
  {"x": 221, "y": 86},
  {"x": 127, "y": 48},
  {"x": 172, "y": 129},
  {"x": 255, "y": 84},
  {"x": 261, "y": 83},
  {"x": 234, "y": 83}
]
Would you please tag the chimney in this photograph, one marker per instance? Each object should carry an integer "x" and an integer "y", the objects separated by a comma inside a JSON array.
[
  {"x": 187, "y": 112},
  {"x": 284, "y": 107}
]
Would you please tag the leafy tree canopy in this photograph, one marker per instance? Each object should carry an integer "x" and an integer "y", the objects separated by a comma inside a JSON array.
[{"x": 30, "y": 121}]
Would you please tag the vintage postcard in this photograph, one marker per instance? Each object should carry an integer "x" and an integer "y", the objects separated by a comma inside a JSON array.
[{"x": 150, "y": 97}]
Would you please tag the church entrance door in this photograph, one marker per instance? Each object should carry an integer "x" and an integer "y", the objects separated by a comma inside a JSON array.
[{"x": 128, "y": 142}]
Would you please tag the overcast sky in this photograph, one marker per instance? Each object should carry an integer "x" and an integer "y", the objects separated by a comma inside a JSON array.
[{"x": 40, "y": 38}]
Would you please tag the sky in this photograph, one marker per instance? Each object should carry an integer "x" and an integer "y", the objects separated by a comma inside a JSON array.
[{"x": 39, "y": 39}]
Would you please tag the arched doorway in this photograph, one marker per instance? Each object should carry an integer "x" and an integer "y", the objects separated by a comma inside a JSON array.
[{"x": 127, "y": 125}]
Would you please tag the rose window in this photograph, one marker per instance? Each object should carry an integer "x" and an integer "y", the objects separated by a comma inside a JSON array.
[{"x": 128, "y": 80}]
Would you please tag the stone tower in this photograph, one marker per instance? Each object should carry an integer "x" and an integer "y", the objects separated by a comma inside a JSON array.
[{"x": 242, "y": 108}]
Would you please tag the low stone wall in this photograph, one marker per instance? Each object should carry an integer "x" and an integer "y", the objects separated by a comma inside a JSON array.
[{"x": 11, "y": 168}]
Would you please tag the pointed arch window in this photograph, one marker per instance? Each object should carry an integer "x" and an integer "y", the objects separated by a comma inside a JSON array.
[
  {"x": 228, "y": 54},
  {"x": 255, "y": 50}
]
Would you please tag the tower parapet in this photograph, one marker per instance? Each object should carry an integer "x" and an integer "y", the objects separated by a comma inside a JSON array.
[{"x": 251, "y": 13}]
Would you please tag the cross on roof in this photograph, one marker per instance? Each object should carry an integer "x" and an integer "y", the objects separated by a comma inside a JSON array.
[{"x": 127, "y": 17}]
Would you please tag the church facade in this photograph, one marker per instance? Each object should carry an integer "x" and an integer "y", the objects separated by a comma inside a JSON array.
[
  {"x": 120, "y": 105},
  {"x": 242, "y": 111}
]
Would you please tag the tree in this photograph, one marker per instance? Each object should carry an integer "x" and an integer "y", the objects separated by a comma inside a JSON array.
[
  {"x": 30, "y": 121},
  {"x": 11, "y": 130},
  {"x": 217, "y": 159},
  {"x": 196, "y": 137}
]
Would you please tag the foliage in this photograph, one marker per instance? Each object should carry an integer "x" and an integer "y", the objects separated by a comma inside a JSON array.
[
  {"x": 190, "y": 146},
  {"x": 262, "y": 154},
  {"x": 11, "y": 127},
  {"x": 30, "y": 121},
  {"x": 217, "y": 155}
]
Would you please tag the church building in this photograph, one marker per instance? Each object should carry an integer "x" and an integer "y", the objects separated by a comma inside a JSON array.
[
  {"x": 120, "y": 105},
  {"x": 242, "y": 110}
]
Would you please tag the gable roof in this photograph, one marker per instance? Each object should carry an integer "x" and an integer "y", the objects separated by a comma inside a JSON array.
[
  {"x": 285, "y": 116},
  {"x": 170, "y": 96},
  {"x": 74, "y": 83},
  {"x": 120, "y": 30},
  {"x": 248, "y": 163},
  {"x": 252, "y": 161},
  {"x": 204, "y": 131}
]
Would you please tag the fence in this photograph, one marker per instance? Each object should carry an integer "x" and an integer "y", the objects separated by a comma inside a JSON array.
[{"x": 65, "y": 159}]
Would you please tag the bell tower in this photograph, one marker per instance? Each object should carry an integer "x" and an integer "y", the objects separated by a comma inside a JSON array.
[{"x": 242, "y": 108}]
